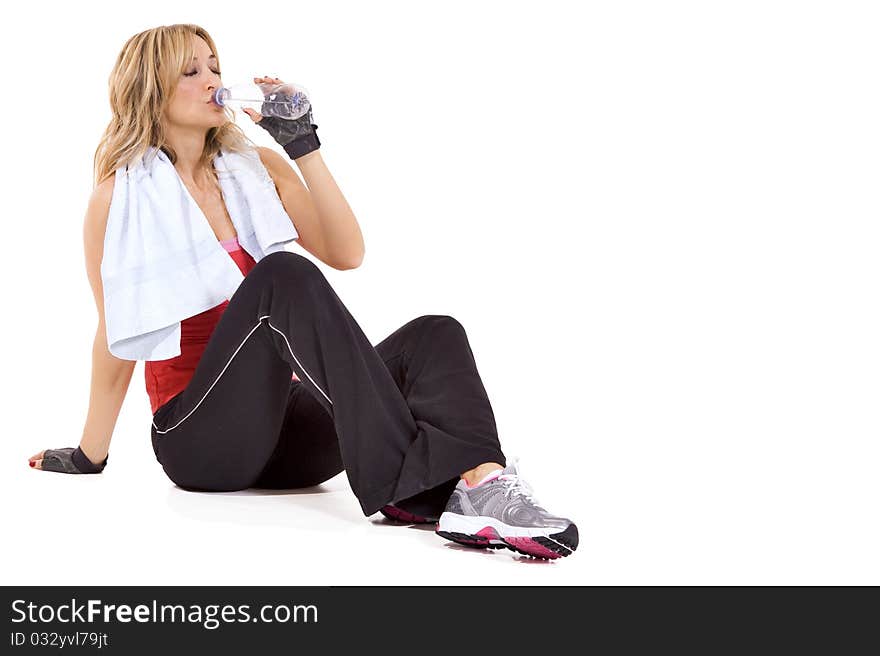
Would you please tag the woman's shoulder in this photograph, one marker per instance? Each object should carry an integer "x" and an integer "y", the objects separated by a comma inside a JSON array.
[{"x": 272, "y": 161}]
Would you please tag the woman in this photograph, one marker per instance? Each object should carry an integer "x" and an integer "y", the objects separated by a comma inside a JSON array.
[{"x": 278, "y": 387}]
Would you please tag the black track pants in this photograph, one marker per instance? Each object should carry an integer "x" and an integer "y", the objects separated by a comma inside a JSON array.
[{"x": 404, "y": 419}]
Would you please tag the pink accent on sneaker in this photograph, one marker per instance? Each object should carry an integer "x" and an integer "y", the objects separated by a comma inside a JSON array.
[
  {"x": 489, "y": 533},
  {"x": 481, "y": 537},
  {"x": 488, "y": 477},
  {"x": 403, "y": 516},
  {"x": 528, "y": 545}
]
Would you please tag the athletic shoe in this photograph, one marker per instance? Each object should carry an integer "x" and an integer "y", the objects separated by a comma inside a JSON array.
[
  {"x": 396, "y": 514},
  {"x": 502, "y": 511}
]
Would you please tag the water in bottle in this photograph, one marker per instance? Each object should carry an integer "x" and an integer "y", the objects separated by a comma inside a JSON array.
[{"x": 286, "y": 100}]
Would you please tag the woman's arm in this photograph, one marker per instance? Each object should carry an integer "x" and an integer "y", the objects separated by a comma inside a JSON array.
[
  {"x": 327, "y": 227},
  {"x": 110, "y": 375},
  {"x": 110, "y": 380},
  {"x": 342, "y": 234}
]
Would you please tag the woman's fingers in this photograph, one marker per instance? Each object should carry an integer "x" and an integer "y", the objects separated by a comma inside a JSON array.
[
  {"x": 266, "y": 79},
  {"x": 36, "y": 460},
  {"x": 255, "y": 117}
]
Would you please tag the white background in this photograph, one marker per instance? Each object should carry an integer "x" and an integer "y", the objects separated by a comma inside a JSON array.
[{"x": 658, "y": 223}]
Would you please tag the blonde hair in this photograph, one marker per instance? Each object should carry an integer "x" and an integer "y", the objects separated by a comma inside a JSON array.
[{"x": 141, "y": 84}]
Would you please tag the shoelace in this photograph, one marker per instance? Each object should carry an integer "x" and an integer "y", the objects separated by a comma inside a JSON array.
[{"x": 518, "y": 486}]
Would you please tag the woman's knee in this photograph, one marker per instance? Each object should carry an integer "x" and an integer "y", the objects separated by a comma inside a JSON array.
[
  {"x": 285, "y": 265},
  {"x": 440, "y": 322}
]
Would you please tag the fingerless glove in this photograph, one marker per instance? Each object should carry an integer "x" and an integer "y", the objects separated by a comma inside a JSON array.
[
  {"x": 297, "y": 137},
  {"x": 70, "y": 460}
]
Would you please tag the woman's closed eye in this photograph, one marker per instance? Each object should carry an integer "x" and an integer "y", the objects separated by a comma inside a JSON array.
[{"x": 194, "y": 72}]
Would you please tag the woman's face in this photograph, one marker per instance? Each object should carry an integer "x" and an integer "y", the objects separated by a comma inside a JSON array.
[{"x": 191, "y": 104}]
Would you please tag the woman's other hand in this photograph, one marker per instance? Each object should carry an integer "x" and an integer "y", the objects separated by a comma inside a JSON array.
[{"x": 69, "y": 460}]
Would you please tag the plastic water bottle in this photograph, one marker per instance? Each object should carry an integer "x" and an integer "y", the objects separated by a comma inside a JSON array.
[{"x": 286, "y": 100}]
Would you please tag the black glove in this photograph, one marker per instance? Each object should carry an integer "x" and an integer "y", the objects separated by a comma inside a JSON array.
[
  {"x": 297, "y": 136},
  {"x": 70, "y": 461}
]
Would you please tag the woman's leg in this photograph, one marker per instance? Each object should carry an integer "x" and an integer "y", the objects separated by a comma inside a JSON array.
[
  {"x": 307, "y": 452},
  {"x": 221, "y": 431},
  {"x": 432, "y": 363}
]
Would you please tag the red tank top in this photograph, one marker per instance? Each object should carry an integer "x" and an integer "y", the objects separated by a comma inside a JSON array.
[{"x": 166, "y": 378}]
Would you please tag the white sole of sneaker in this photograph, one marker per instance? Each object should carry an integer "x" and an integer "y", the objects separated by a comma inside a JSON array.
[{"x": 455, "y": 523}]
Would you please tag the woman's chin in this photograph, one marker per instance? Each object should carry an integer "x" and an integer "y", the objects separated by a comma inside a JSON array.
[{"x": 219, "y": 123}]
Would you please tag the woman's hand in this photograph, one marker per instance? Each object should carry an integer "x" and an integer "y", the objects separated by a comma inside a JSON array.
[
  {"x": 297, "y": 136},
  {"x": 256, "y": 116},
  {"x": 69, "y": 460}
]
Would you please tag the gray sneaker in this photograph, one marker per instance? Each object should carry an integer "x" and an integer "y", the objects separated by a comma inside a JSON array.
[{"x": 503, "y": 512}]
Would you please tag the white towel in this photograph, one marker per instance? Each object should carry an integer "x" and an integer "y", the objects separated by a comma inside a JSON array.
[{"x": 162, "y": 261}]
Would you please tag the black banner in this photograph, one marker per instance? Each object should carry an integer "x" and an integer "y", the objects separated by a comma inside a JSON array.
[{"x": 236, "y": 620}]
